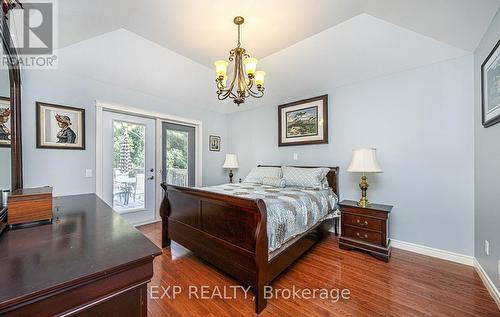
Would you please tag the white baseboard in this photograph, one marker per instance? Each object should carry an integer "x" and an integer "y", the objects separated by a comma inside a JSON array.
[
  {"x": 490, "y": 286},
  {"x": 146, "y": 222},
  {"x": 436, "y": 253}
]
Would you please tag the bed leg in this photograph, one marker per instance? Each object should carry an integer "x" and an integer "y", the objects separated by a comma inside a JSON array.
[
  {"x": 336, "y": 225},
  {"x": 261, "y": 259},
  {"x": 164, "y": 213},
  {"x": 260, "y": 300},
  {"x": 165, "y": 241}
]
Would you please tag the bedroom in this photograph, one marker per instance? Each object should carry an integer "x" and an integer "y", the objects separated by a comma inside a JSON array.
[{"x": 126, "y": 100}]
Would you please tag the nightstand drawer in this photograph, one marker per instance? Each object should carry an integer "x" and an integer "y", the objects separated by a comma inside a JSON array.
[
  {"x": 362, "y": 235},
  {"x": 362, "y": 222}
]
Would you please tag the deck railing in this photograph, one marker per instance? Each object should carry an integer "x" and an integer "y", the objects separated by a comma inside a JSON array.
[{"x": 177, "y": 177}]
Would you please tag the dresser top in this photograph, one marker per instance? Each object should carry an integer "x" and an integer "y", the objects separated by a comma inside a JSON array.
[
  {"x": 32, "y": 191},
  {"x": 371, "y": 206},
  {"x": 86, "y": 239}
]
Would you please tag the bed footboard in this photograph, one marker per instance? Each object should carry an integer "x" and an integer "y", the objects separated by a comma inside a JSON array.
[{"x": 228, "y": 232}]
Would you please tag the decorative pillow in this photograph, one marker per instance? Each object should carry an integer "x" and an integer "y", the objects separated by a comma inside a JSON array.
[
  {"x": 304, "y": 177},
  {"x": 324, "y": 183},
  {"x": 274, "y": 181},
  {"x": 258, "y": 173}
]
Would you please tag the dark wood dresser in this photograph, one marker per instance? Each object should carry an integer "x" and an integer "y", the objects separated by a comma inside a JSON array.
[
  {"x": 88, "y": 262},
  {"x": 366, "y": 228}
]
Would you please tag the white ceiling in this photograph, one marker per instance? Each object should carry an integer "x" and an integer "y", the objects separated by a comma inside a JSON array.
[
  {"x": 125, "y": 59},
  {"x": 306, "y": 47},
  {"x": 361, "y": 48},
  {"x": 203, "y": 30}
]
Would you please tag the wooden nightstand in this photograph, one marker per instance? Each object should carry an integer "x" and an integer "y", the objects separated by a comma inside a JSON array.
[{"x": 366, "y": 228}]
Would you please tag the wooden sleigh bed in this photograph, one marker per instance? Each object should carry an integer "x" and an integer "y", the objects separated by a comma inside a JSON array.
[{"x": 231, "y": 233}]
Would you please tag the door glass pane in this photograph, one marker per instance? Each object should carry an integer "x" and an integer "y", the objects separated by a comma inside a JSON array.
[
  {"x": 129, "y": 166},
  {"x": 177, "y": 157}
]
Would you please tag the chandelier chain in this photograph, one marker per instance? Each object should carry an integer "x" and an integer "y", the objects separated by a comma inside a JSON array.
[{"x": 239, "y": 41}]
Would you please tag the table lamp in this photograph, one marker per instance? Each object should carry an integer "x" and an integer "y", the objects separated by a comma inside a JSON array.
[
  {"x": 231, "y": 163},
  {"x": 364, "y": 161}
]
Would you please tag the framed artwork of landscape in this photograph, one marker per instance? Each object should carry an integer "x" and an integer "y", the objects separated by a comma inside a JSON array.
[
  {"x": 303, "y": 122},
  {"x": 490, "y": 85}
]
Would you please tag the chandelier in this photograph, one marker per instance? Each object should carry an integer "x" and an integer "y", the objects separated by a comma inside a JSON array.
[{"x": 246, "y": 80}]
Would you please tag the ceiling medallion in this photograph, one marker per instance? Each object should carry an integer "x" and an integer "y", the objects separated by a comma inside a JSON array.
[{"x": 246, "y": 80}]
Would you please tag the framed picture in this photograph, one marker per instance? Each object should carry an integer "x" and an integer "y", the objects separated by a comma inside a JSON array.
[
  {"x": 214, "y": 142},
  {"x": 303, "y": 122},
  {"x": 5, "y": 111},
  {"x": 490, "y": 86},
  {"x": 59, "y": 127}
]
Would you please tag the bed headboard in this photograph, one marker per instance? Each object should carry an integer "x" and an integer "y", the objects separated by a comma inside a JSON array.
[{"x": 332, "y": 176}]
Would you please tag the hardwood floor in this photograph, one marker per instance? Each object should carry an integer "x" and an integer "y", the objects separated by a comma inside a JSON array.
[{"x": 409, "y": 285}]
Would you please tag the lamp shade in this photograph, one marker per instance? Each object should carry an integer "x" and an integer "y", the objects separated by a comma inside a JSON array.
[
  {"x": 221, "y": 68},
  {"x": 250, "y": 65},
  {"x": 364, "y": 161},
  {"x": 259, "y": 77},
  {"x": 231, "y": 161}
]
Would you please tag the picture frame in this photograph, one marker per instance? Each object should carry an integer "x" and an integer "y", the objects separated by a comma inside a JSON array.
[
  {"x": 59, "y": 127},
  {"x": 214, "y": 143},
  {"x": 303, "y": 122},
  {"x": 5, "y": 122},
  {"x": 490, "y": 88}
]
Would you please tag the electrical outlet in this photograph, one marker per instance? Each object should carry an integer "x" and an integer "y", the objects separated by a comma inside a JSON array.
[
  {"x": 88, "y": 173},
  {"x": 487, "y": 247},
  {"x": 295, "y": 156}
]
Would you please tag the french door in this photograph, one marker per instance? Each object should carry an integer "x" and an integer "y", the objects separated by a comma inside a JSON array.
[
  {"x": 129, "y": 149},
  {"x": 178, "y": 154}
]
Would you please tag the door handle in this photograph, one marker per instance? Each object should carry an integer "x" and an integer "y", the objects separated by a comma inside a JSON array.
[{"x": 151, "y": 178}]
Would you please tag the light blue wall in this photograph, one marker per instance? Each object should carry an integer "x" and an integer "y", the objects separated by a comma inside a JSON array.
[
  {"x": 487, "y": 169},
  {"x": 421, "y": 122},
  {"x": 64, "y": 169}
]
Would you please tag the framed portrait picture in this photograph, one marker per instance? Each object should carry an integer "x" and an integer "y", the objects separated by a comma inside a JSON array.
[
  {"x": 214, "y": 142},
  {"x": 5, "y": 132},
  {"x": 303, "y": 122},
  {"x": 490, "y": 86},
  {"x": 59, "y": 127}
]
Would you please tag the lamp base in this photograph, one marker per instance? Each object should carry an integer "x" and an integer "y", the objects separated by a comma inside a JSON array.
[
  {"x": 363, "y": 185},
  {"x": 231, "y": 176},
  {"x": 363, "y": 203}
]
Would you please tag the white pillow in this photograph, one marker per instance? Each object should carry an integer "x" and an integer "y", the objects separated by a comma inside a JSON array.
[
  {"x": 258, "y": 173},
  {"x": 304, "y": 177},
  {"x": 273, "y": 181}
]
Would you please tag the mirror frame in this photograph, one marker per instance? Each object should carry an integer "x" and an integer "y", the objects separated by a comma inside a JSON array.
[{"x": 15, "y": 100}]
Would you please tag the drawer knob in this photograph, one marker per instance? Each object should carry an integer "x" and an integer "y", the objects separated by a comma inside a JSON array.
[
  {"x": 364, "y": 223},
  {"x": 365, "y": 236}
]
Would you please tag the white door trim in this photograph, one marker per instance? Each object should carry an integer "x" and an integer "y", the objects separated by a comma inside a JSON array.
[{"x": 160, "y": 117}]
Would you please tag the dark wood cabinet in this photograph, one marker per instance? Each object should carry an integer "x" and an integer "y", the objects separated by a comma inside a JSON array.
[
  {"x": 88, "y": 262},
  {"x": 366, "y": 228}
]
